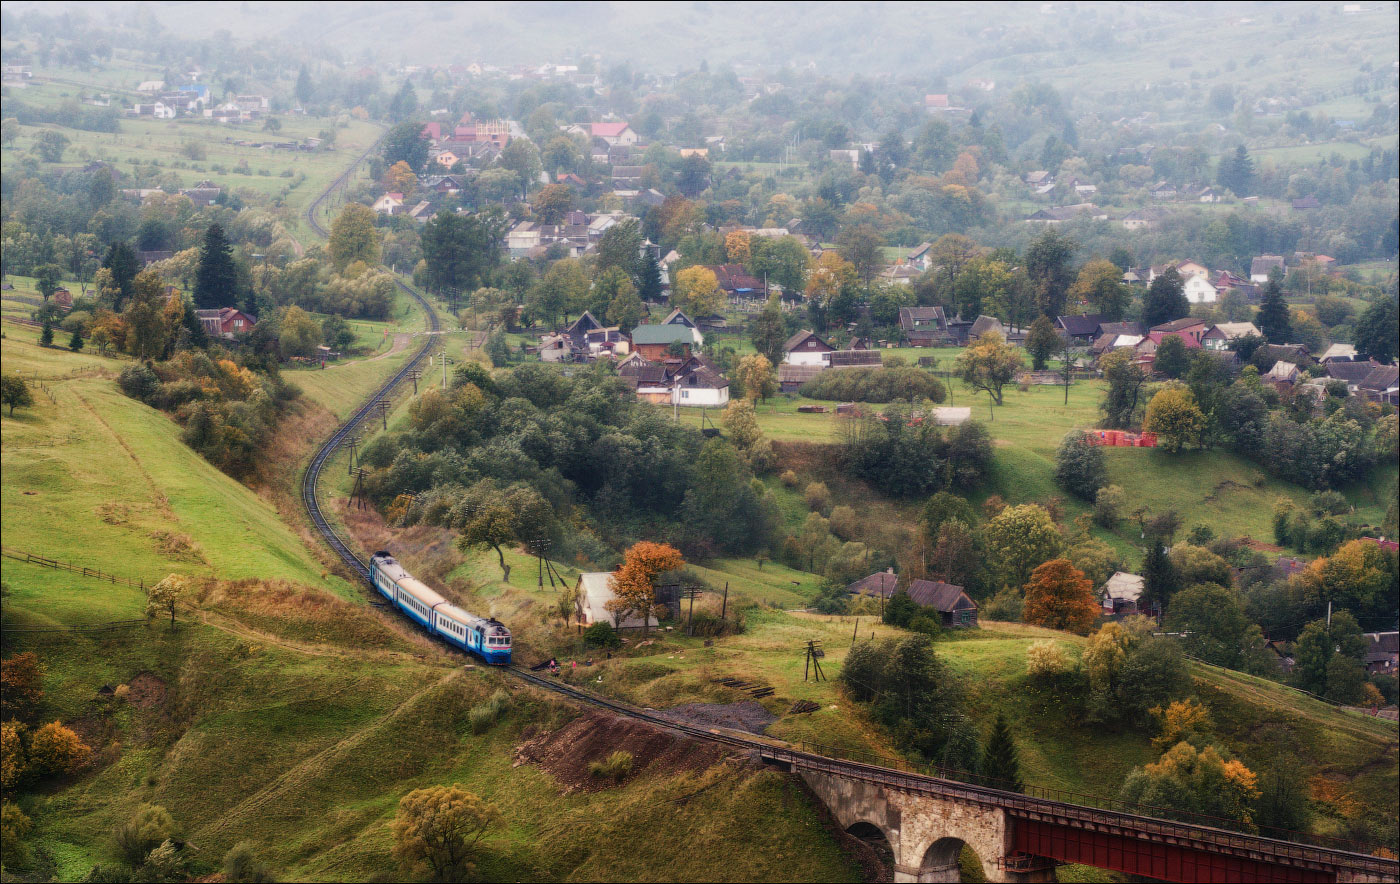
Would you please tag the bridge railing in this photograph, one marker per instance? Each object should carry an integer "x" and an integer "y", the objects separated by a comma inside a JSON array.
[{"x": 1083, "y": 799}]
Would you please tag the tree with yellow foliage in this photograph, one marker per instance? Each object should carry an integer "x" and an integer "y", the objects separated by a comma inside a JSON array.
[
  {"x": 438, "y": 827},
  {"x": 696, "y": 290},
  {"x": 633, "y": 584},
  {"x": 1191, "y": 781},
  {"x": 1175, "y": 417},
  {"x": 399, "y": 178},
  {"x": 829, "y": 277},
  {"x": 55, "y": 750},
  {"x": 755, "y": 373},
  {"x": 989, "y": 364},
  {"x": 1180, "y": 721},
  {"x": 736, "y": 246},
  {"x": 166, "y": 595}
]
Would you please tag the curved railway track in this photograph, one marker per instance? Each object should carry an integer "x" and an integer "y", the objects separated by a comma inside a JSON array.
[
  {"x": 318, "y": 461},
  {"x": 781, "y": 754}
]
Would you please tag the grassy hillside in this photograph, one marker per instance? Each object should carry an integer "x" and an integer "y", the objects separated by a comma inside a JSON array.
[
  {"x": 99, "y": 479},
  {"x": 1232, "y": 495},
  {"x": 267, "y": 715}
]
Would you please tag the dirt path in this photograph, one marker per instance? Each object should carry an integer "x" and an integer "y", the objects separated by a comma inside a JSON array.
[{"x": 401, "y": 341}]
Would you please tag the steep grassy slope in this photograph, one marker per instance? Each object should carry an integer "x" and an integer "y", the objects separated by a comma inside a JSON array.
[{"x": 99, "y": 479}]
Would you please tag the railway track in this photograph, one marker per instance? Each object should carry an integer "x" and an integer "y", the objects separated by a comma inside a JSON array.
[
  {"x": 781, "y": 754},
  {"x": 318, "y": 461}
]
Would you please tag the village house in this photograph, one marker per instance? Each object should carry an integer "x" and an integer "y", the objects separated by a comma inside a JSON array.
[
  {"x": 388, "y": 204},
  {"x": 613, "y": 133},
  {"x": 806, "y": 348},
  {"x": 1259, "y": 268},
  {"x": 225, "y": 322},
  {"x": 1120, "y": 595},
  {"x": 592, "y": 594},
  {"x": 923, "y": 326},
  {"x": 1382, "y": 653},
  {"x": 955, "y": 607},
  {"x": 1199, "y": 290},
  {"x": 655, "y": 342}
]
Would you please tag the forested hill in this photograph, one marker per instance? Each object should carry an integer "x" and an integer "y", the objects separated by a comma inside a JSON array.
[{"x": 1095, "y": 46}]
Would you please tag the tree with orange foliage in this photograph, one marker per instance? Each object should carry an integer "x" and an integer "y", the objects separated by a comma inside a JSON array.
[
  {"x": 633, "y": 584},
  {"x": 1059, "y": 596},
  {"x": 55, "y": 750},
  {"x": 21, "y": 686},
  {"x": 737, "y": 247}
]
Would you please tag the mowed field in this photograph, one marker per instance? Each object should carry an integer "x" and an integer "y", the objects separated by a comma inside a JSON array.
[
  {"x": 101, "y": 480},
  {"x": 291, "y": 178},
  {"x": 1232, "y": 495}
]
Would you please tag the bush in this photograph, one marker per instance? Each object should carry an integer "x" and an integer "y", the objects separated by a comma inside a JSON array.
[
  {"x": 926, "y": 624},
  {"x": 241, "y": 866},
  {"x": 788, "y": 478},
  {"x": 145, "y": 831},
  {"x": 874, "y": 385},
  {"x": 1079, "y": 466},
  {"x": 818, "y": 497},
  {"x": 615, "y": 767},
  {"x": 601, "y": 635},
  {"x": 1005, "y": 605},
  {"x": 14, "y": 827},
  {"x": 483, "y": 715},
  {"x": 1046, "y": 660},
  {"x": 844, "y": 523}
]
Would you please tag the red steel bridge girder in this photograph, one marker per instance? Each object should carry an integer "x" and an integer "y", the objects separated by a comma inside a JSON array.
[{"x": 1153, "y": 859}]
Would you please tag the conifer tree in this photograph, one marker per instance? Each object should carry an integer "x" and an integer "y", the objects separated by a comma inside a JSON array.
[
  {"x": 1273, "y": 318},
  {"x": 1002, "y": 763},
  {"x": 216, "y": 277}
]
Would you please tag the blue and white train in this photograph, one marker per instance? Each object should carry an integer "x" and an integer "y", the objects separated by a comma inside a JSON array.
[{"x": 486, "y": 637}]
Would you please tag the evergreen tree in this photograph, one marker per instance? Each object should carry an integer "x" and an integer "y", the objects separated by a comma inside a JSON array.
[
  {"x": 1001, "y": 764},
  {"x": 1273, "y": 318},
  {"x": 1079, "y": 466},
  {"x": 649, "y": 278},
  {"x": 46, "y": 334},
  {"x": 1165, "y": 300},
  {"x": 1042, "y": 342},
  {"x": 122, "y": 261},
  {"x": 1237, "y": 172},
  {"x": 216, "y": 277},
  {"x": 75, "y": 343},
  {"x": 1159, "y": 577},
  {"x": 404, "y": 103},
  {"x": 304, "y": 89}
]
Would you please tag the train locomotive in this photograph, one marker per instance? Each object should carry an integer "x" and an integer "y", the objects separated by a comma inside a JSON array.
[{"x": 488, "y": 638}]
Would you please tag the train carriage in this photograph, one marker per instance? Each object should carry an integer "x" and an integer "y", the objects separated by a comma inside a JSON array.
[{"x": 486, "y": 637}]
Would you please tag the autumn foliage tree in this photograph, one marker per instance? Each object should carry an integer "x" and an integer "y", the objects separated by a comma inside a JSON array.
[
  {"x": 1175, "y": 417},
  {"x": 1195, "y": 781},
  {"x": 989, "y": 364},
  {"x": 1058, "y": 596},
  {"x": 21, "y": 686},
  {"x": 633, "y": 584},
  {"x": 55, "y": 750},
  {"x": 354, "y": 238},
  {"x": 438, "y": 827},
  {"x": 697, "y": 291},
  {"x": 165, "y": 596}
]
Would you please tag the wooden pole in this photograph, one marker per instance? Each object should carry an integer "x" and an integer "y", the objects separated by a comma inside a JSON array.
[{"x": 724, "y": 606}]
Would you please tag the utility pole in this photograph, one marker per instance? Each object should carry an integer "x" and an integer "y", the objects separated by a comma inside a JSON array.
[
  {"x": 691, "y": 592},
  {"x": 383, "y": 406},
  {"x": 813, "y": 663},
  {"x": 415, "y": 375},
  {"x": 354, "y": 442},
  {"x": 446, "y": 360},
  {"x": 357, "y": 496}
]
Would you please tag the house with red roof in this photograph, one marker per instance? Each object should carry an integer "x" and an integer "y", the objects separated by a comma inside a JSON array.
[{"x": 613, "y": 133}]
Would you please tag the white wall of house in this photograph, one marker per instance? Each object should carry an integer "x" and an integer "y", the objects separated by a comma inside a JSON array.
[
  {"x": 806, "y": 357},
  {"x": 700, "y": 397},
  {"x": 1199, "y": 290}
]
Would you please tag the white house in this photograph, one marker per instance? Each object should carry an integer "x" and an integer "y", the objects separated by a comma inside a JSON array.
[
  {"x": 593, "y": 594},
  {"x": 388, "y": 204},
  {"x": 806, "y": 348},
  {"x": 1199, "y": 290}
]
